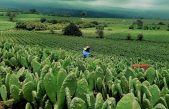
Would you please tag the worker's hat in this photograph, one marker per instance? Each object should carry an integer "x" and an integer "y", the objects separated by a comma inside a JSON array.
[{"x": 87, "y": 47}]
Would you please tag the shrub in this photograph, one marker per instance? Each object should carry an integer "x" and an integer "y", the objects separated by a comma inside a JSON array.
[
  {"x": 42, "y": 20},
  {"x": 139, "y": 23},
  {"x": 95, "y": 22},
  {"x": 139, "y": 27},
  {"x": 161, "y": 23},
  {"x": 72, "y": 30},
  {"x": 1, "y": 14},
  {"x": 40, "y": 26},
  {"x": 158, "y": 28},
  {"x": 100, "y": 27},
  {"x": 87, "y": 25},
  {"x": 140, "y": 37},
  {"x": 110, "y": 29},
  {"x": 100, "y": 33},
  {"x": 84, "y": 24},
  {"x": 128, "y": 37},
  {"x": 53, "y": 21},
  {"x": 30, "y": 26},
  {"x": 21, "y": 25},
  {"x": 131, "y": 27},
  {"x": 146, "y": 27}
]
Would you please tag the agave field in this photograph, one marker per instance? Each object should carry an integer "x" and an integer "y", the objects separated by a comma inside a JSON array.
[{"x": 45, "y": 78}]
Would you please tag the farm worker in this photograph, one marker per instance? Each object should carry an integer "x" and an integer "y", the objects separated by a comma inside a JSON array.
[{"x": 86, "y": 52}]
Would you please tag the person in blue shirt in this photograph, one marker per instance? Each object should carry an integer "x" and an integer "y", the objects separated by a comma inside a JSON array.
[{"x": 86, "y": 52}]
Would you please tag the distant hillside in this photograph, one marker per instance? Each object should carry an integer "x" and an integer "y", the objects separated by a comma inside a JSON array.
[{"x": 69, "y": 10}]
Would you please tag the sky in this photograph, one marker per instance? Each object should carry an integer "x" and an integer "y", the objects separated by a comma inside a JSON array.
[
  {"x": 132, "y": 8},
  {"x": 131, "y": 4}
]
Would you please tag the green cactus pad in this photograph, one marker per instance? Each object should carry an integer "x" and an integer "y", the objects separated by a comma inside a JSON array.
[
  {"x": 15, "y": 92},
  {"x": 159, "y": 106},
  {"x": 68, "y": 97},
  {"x": 48, "y": 105},
  {"x": 155, "y": 92},
  {"x": 28, "y": 106},
  {"x": 36, "y": 66},
  {"x": 78, "y": 103},
  {"x": 27, "y": 90},
  {"x": 70, "y": 82},
  {"x": 82, "y": 89},
  {"x": 50, "y": 86},
  {"x": 99, "y": 101},
  {"x": 150, "y": 74},
  {"x": 128, "y": 102},
  {"x": 3, "y": 92}
]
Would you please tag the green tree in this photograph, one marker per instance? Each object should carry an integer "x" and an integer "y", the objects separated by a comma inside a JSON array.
[
  {"x": 42, "y": 20},
  {"x": 72, "y": 30}
]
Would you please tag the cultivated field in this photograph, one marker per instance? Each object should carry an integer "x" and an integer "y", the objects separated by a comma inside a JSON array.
[{"x": 44, "y": 69}]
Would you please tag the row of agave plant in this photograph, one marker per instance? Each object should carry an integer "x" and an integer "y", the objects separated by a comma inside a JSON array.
[{"x": 44, "y": 78}]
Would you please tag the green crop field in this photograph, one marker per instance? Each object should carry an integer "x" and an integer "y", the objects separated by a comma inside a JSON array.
[
  {"x": 5, "y": 24},
  {"x": 41, "y": 68}
]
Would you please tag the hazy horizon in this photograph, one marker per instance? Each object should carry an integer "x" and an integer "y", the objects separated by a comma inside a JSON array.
[{"x": 145, "y": 8}]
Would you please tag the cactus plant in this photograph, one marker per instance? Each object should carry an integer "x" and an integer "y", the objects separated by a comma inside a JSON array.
[
  {"x": 162, "y": 101},
  {"x": 146, "y": 104},
  {"x": 90, "y": 100},
  {"x": 7, "y": 78},
  {"x": 91, "y": 80},
  {"x": 145, "y": 90},
  {"x": 124, "y": 84},
  {"x": 23, "y": 61},
  {"x": 36, "y": 66},
  {"x": 111, "y": 103},
  {"x": 60, "y": 78},
  {"x": 150, "y": 74},
  {"x": 108, "y": 76},
  {"x": 99, "y": 101},
  {"x": 82, "y": 89},
  {"x": 40, "y": 90},
  {"x": 128, "y": 102},
  {"x": 159, "y": 106},
  {"x": 70, "y": 82},
  {"x": 68, "y": 97},
  {"x": 15, "y": 92},
  {"x": 13, "y": 80},
  {"x": 99, "y": 84},
  {"x": 155, "y": 92},
  {"x": 167, "y": 99},
  {"x": 28, "y": 106},
  {"x": 78, "y": 103},
  {"x": 130, "y": 72},
  {"x": 50, "y": 83},
  {"x": 48, "y": 105},
  {"x": 27, "y": 90},
  {"x": 3, "y": 92}
]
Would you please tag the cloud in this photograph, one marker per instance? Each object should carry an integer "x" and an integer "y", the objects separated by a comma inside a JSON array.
[{"x": 132, "y": 4}]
